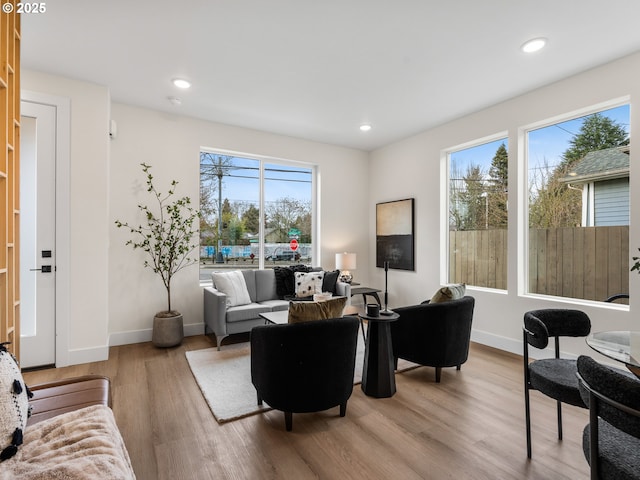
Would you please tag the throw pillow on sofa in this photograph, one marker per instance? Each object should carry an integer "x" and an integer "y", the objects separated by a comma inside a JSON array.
[
  {"x": 330, "y": 280},
  {"x": 232, "y": 284},
  {"x": 285, "y": 281},
  {"x": 14, "y": 405},
  {"x": 307, "y": 311},
  {"x": 449, "y": 292},
  {"x": 308, "y": 283}
]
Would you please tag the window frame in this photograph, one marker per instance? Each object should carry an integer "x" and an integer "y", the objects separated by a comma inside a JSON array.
[
  {"x": 266, "y": 159},
  {"x": 522, "y": 257},
  {"x": 445, "y": 197}
]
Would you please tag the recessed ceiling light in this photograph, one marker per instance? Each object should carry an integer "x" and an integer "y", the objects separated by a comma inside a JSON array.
[
  {"x": 181, "y": 83},
  {"x": 534, "y": 45},
  {"x": 365, "y": 127}
]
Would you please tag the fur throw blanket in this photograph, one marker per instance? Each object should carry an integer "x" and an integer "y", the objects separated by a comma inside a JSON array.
[{"x": 82, "y": 444}]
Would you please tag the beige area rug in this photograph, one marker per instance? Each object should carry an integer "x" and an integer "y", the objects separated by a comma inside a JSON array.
[{"x": 224, "y": 377}]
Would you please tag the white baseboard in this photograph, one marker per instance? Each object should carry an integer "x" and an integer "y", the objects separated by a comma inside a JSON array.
[
  {"x": 513, "y": 346},
  {"x": 496, "y": 341},
  {"x": 141, "y": 336},
  {"x": 87, "y": 355}
]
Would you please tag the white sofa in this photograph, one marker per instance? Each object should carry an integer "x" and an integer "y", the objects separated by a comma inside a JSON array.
[{"x": 261, "y": 284}]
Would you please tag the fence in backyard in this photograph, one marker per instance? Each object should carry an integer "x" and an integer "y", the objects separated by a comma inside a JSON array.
[{"x": 590, "y": 263}]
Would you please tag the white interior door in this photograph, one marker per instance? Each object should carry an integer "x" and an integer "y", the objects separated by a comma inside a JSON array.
[{"x": 37, "y": 235}]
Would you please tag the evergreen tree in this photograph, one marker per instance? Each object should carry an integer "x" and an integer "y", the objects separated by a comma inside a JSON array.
[
  {"x": 555, "y": 204},
  {"x": 474, "y": 200},
  {"x": 596, "y": 133},
  {"x": 498, "y": 188},
  {"x": 251, "y": 219}
]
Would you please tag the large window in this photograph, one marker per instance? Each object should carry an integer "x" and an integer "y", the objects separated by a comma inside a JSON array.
[
  {"x": 256, "y": 213},
  {"x": 578, "y": 179},
  {"x": 478, "y": 187}
]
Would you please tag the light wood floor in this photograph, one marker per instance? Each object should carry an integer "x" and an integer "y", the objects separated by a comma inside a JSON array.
[{"x": 470, "y": 426}]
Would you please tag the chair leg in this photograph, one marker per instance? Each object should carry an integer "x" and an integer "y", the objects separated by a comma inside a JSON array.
[
  {"x": 594, "y": 453},
  {"x": 527, "y": 409},
  {"x": 343, "y": 409},
  {"x": 559, "y": 420},
  {"x": 527, "y": 416},
  {"x": 288, "y": 421},
  {"x": 438, "y": 374}
]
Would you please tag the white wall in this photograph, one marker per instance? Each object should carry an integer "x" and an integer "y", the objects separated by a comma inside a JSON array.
[
  {"x": 112, "y": 295},
  {"x": 413, "y": 168},
  {"x": 112, "y": 298},
  {"x": 86, "y": 328},
  {"x": 171, "y": 144}
]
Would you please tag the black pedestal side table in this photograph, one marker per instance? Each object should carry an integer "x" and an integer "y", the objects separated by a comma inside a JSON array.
[{"x": 378, "y": 376}]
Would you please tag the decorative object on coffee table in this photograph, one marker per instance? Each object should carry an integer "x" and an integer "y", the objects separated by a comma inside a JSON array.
[
  {"x": 166, "y": 235},
  {"x": 322, "y": 297}
]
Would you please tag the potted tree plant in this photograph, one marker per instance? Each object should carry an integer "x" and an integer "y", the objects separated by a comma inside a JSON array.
[{"x": 166, "y": 235}]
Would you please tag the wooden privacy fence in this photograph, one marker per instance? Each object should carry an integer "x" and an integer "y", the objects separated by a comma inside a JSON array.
[{"x": 589, "y": 263}]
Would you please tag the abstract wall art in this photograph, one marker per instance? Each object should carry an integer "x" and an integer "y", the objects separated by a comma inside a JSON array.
[{"x": 394, "y": 234}]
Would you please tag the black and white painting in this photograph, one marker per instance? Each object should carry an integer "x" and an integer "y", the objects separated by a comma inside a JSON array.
[{"x": 394, "y": 234}]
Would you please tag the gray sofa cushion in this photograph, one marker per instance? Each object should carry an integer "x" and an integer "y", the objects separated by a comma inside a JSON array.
[
  {"x": 246, "y": 312},
  {"x": 276, "y": 305},
  {"x": 265, "y": 285},
  {"x": 250, "y": 279}
]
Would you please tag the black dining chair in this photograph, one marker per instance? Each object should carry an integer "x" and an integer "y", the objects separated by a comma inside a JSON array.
[
  {"x": 611, "y": 439},
  {"x": 555, "y": 377}
]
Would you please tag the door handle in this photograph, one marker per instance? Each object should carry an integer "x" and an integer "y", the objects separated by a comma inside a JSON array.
[{"x": 44, "y": 269}]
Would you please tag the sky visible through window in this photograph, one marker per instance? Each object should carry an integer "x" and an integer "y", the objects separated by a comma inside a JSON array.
[
  {"x": 280, "y": 181},
  {"x": 546, "y": 145}
]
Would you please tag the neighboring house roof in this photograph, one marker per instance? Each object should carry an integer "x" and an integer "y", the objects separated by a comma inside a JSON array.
[{"x": 601, "y": 165}]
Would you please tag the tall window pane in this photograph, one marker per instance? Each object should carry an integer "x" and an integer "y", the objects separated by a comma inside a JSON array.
[
  {"x": 232, "y": 209},
  {"x": 288, "y": 215},
  {"x": 478, "y": 187},
  {"x": 579, "y": 206}
]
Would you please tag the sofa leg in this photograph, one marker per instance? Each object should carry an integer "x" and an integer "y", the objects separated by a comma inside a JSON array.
[
  {"x": 438, "y": 374},
  {"x": 458, "y": 367},
  {"x": 288, "y": 421},
  {"x": 219, "y": 340},
  {"x": 259, "y": 400},
  {"x": 343, "y": 409},
  {"x": 395, "y": 363}
]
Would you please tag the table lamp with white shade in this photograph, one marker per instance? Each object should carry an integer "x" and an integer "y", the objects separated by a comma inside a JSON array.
[{"x": 345, "y": 262}]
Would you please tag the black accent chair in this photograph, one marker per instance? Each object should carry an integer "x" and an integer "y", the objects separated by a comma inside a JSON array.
[
  {"x": 433, "y": 334},
  {"x": 304, "y": 367},
  {"x": 611, "y": 439},
  {"x": 554, "y": 377}
]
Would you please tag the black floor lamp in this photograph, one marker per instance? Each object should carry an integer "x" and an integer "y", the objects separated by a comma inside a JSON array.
[{"x": 386, "y": 310}]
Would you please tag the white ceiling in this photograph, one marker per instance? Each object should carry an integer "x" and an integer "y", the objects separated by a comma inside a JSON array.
[{"x": 317, "y": 69}]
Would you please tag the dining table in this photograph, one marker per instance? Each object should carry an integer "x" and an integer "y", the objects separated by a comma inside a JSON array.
[{"x": 620, "y": 345}]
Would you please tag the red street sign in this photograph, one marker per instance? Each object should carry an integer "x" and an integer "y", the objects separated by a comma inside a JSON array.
[{"x": 293, "y": 244}]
